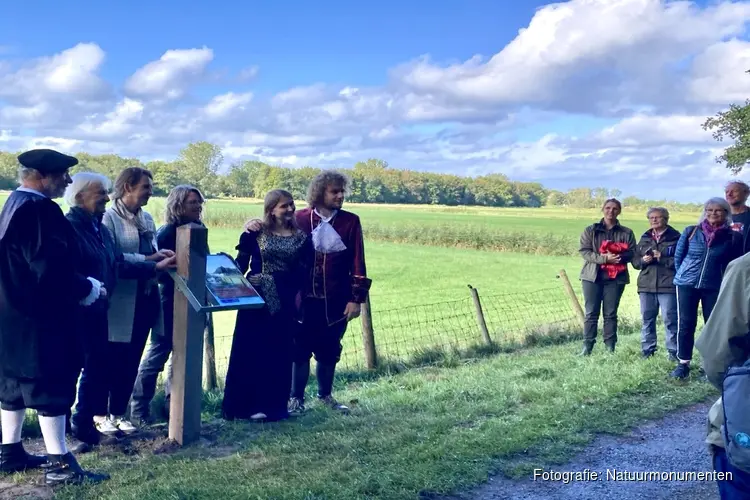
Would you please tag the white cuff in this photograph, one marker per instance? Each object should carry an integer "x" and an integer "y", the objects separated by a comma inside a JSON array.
[{"x": 96, "y": 287}]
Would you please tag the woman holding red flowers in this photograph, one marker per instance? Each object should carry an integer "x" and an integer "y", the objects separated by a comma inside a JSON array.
[{"x": 606, "y": 247}]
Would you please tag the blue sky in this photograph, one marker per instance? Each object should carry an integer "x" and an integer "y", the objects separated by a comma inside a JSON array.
[{"x": 583, "y": 93}]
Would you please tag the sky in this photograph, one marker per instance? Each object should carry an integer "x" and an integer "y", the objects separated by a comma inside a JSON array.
[{"x": 584, "y": 93}]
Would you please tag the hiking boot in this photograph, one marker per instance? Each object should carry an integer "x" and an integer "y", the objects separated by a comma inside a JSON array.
[
  {"x": 331, "y": 403},
  {"x": 296, "y": 407},
  {"x": 681, "y": 371},
  {"x": 13, "y": 458},
  {"x": 64, "y": 469}
]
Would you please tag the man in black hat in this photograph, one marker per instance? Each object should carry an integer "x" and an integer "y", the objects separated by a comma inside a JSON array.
[{"x": 40, "y": 349}]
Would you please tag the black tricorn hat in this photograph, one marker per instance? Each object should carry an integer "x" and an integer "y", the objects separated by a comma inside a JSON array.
[{"x": 47, "y": 161}]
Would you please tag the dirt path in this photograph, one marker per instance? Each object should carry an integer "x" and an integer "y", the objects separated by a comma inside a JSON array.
[{"x": 671, "y": 444}]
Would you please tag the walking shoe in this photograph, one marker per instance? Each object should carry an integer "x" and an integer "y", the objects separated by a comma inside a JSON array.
[
  {"x": 64, "y": 469},
  {"x": 124, "y": 425},
  {"x": 681, "y": 371},
  {"x": 330, "y": 402},
  {"x": 13, "y": 458},
  {"x": 105, "y": 425},
  {"x": 296, "y": 407}
]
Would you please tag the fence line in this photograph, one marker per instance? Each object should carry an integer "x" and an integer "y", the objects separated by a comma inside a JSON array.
[{"x": 417, "y": 334}]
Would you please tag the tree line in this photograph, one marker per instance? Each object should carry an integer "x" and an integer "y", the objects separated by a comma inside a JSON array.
[{"x": 373, "y": 181}]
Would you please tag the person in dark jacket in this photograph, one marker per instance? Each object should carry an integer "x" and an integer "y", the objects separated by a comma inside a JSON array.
[
  {"x": 654, "y": 256},
  {"x": 87, "y": 198},
  {"x": 40, "y": 294},
  {"x": 702, "y": 255},
  {"x": 605, "y": 273},
  {"x": 184, "y": 205}
]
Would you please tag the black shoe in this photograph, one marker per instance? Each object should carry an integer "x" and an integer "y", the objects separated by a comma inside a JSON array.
[
  {"x": 86, "y": 433},
  {"x": 64, "y": 469},
  {"x": 647, "y": 354},
  {"x": 681, "y": 371},
  {"x": 672, "y": 356},
  {"x": 609, "y": 346},
  {"x": 587, "y": 348},
  {"x": 13, "y": 458}
]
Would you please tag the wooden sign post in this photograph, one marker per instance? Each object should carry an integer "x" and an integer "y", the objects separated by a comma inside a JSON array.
[
  {"x": 191, "y": 309},
  {"x": 189, "y": 323}
]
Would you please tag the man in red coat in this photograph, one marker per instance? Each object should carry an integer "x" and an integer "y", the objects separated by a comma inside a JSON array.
[{"x": 338, "y": 286}]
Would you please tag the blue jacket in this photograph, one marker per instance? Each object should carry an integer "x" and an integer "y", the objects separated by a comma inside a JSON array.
[{"x": 699, "y": 266}]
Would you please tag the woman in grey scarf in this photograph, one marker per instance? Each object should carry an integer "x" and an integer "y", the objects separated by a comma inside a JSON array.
[{"x": 135, "y": 307}]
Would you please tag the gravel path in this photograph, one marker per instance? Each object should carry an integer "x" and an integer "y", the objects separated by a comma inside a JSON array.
[{"x": 657, "y": 446}]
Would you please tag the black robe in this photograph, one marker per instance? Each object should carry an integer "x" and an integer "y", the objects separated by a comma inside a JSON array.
[{"x": 40, "y": 289}]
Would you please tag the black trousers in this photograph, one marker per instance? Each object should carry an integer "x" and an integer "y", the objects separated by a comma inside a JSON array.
[
  {"x": 97, "y": 379},
  {"x": 317, "y": 337},
  {"x": 688, "y": 299},
  {"x": 50, "y": 397},
  {"x": 601, "y": 297}
]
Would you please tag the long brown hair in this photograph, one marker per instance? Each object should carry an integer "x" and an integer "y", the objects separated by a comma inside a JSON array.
[
  {"x": 272, "y": 199},
  {"x": 130, "y": 177}
]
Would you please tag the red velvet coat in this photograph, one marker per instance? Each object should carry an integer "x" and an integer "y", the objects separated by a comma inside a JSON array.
[{"x": 338, "y": 277}]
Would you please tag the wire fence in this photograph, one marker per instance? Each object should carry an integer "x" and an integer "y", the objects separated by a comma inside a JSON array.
[{"x": 418, "y": 334}]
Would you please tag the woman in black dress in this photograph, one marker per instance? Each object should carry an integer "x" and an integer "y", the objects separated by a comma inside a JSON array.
[{"x": 260, "y": 364}]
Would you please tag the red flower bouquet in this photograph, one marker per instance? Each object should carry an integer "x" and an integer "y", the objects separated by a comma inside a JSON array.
[{"x": 608, "y": 246}]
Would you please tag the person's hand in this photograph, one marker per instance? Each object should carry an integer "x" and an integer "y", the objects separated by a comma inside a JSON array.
[
  {"x": 657, "y": 254},
  {"x": 168, "y": 263},
  {"x": 254, "y": 279},
  {"x": 647, "y": 259},
  {"x": 253, "y": 225},
  {"x": 102, "y": 292},
  {"x": 160, "y": 255},
  {"x": 612, "y": 258},
  {"x": 352, "y": 310}
]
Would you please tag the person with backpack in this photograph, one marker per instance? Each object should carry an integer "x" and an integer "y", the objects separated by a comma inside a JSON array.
[
  {"x": 701, "y": 257},
  {"x": 724, "y": 347}
]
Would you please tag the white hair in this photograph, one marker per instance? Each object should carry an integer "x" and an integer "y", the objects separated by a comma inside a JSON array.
[
  {"x": 722, "y": 203},
  {"x": 81, "y": 182}
]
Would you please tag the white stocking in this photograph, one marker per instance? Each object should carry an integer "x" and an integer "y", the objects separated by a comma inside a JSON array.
[
  {"x": 12, "y": 423},
  {"x": 53, "y": 431}
]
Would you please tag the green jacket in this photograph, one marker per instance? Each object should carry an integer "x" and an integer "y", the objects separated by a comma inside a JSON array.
[
  {"x": 723, "y": 341},
  {"x": 592, "y": 238}
]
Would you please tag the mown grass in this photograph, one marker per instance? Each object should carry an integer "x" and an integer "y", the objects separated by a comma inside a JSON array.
[{"x": 439, "y": 429}]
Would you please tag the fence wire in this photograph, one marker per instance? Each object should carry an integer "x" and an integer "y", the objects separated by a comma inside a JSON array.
[{"x": 418, "y": 333}]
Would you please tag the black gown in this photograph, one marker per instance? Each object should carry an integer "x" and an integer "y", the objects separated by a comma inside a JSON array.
[{"x": 259, "y": 375}]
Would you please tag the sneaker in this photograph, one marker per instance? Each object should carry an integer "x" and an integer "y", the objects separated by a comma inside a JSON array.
[
  {"x": 105, "y": 425},
  {"x": 331, "y": 402},
  {"x": 258, "y": 417},
  {"x": 296, "y": 407},
  {"x": 124, "y": 425},
  {"x": 681, "y": 371}
]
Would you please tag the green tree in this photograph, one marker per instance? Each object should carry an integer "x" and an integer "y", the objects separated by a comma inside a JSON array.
[
  {"x": 200, "y": 165},
  {"x": 733, "y": 124}
]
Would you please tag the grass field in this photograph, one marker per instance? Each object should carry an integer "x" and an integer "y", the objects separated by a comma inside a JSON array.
[{"x": 440, "y": 426}]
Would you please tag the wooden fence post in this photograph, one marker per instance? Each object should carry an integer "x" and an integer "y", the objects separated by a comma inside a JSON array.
[
  {"x": 187, "y": 393},
  {"x": 210, "y": 383},
  {"x": 368, "y": 336},
  {"x": 572, "y": 296},
  {"x": 480, "y": 316}
]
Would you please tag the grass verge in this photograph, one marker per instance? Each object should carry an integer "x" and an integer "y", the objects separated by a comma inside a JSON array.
[{"x": 437, "y": 429}]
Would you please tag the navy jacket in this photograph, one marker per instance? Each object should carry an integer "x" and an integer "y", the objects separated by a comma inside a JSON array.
[{"x": 703, "y": 267}]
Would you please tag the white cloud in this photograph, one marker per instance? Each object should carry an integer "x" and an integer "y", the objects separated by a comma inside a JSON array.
[
  {"x": 654, "y": 69},
  {"x": 171, "y": 75}
]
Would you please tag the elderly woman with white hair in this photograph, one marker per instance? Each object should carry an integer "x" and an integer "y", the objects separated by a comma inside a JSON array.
[
  {"x": 702, "y": 254},
  {"x": 87, "y": 197}
]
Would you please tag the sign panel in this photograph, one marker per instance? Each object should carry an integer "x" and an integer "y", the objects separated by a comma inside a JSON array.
[{"x": 226, "y": 284}]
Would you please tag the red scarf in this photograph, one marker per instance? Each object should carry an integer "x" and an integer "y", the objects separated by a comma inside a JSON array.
[{"x": 711, "y": 231}]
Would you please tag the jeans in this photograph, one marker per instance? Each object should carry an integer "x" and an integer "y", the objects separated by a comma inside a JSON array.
[
  {"x": 605, "y": 297},
  {"x": 688, "y": 299},
  {"x": 148, "y": 372},
  {"x": 650, "y": 304},
  {"x": 738, "y": 486}
]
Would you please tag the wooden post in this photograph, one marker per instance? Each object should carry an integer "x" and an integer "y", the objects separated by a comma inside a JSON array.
[
  {"x": 572, "y": 296},
  {"x": 187, "y": 393},
  {"x": 368, "y": 336},
  {"x": 480, "y": 316},
  {"x": 209, "y": 356}
]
